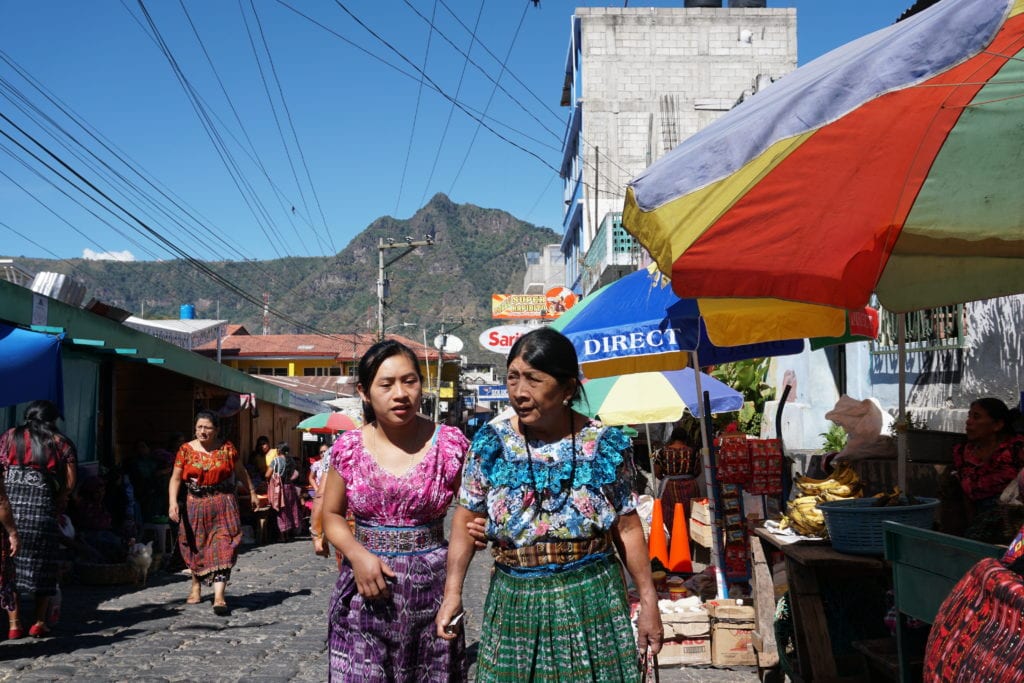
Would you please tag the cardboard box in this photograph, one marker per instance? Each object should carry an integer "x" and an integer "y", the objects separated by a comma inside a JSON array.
[
  {"x": 687, "y": 651},
  {"x": 732, "y": 631},
  {"x": 686, "y": 625},
  {"x": 700, "y": 533},
  {"x": 700, "y": 510}
]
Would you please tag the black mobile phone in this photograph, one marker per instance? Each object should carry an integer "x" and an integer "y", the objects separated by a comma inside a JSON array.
[{"x": 453, "y": 625}]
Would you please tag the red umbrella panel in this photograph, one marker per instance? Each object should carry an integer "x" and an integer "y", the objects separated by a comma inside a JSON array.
[{"x": 891, "y": 165}]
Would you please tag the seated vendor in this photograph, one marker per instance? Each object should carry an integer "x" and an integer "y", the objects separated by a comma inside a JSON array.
[
  {"x": 990, "y": 459},
  {"x": 678, "y": 465}
]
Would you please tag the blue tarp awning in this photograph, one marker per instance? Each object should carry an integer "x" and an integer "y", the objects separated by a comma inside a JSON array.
[{"x": 30, "y": 367}]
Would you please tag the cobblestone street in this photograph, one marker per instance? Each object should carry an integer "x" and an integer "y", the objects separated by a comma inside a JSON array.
[{"x": 276, "y": 630}]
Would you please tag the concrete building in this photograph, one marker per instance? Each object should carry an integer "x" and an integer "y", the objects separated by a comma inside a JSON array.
[
  {"x": 544, "y": 270},
  {"x": 638, "y": 81}
]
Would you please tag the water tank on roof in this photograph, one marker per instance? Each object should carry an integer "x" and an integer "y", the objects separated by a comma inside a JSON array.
[
  {"x": 748, "y": 3},
  {"x": 702, "y": 3},
  {"x": 188, "y": 312}
]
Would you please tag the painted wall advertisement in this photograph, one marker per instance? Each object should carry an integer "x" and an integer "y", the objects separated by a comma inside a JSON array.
[{"x": 532, "y": 306}]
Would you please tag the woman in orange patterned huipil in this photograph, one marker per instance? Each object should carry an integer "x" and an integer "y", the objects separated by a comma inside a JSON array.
[{"x": 209, "y": 531}]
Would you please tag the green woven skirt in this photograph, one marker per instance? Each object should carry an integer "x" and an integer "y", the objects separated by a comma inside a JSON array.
[{"x": 570, "y": 627}]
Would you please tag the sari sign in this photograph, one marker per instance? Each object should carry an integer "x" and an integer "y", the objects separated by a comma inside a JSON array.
[{"x": 500, "y": 339}]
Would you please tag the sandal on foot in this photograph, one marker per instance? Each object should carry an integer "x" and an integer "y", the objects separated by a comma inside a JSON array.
[
  {"x": 38, "y": 631},
  {"x": 15, "y": 633},
  {"x": 220, "y": 609}
]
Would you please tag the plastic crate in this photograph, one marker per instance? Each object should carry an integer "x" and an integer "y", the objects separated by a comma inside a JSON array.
[{"x": 855, "y": 525}]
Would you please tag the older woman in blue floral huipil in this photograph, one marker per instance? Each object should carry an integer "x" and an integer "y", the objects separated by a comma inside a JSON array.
[{"x": 555, "y": 487}]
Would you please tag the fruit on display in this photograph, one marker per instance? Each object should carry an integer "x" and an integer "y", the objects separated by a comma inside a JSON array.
[
  {"x": 804, "y": 517},
  {"x": 894, "y": 497},
  {"x": 802, "y": 513}
]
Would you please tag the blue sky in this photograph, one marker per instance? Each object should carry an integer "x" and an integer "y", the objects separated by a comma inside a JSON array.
[{"x": 350, "y": 140}]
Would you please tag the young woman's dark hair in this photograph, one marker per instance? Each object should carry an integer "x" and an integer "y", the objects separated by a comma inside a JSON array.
[
  {"x": 370, "y": 363},
  {"x": 998, "y": 411},
  {"x": 41, "y": 424},
  {"x": 551, "y": 352}
]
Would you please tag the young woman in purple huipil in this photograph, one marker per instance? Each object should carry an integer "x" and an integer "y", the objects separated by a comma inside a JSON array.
[{"x": 397, "y": 475}]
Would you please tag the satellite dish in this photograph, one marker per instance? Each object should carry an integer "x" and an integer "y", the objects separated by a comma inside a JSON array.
[{"x": 450, "y": 343}]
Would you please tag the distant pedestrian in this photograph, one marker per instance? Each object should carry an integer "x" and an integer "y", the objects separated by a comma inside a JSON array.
[
  {"x": 397, "y": 474},
  {"x": 282, "y": 492},
  {"x": 40, "y": 467},
  {"x": 209, "y": 532}
]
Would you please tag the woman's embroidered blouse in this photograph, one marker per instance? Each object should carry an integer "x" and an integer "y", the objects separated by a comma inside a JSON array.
[
  {"x": 499, "y": 481},
  {"x": 421, "y": 495},
  {"x": 206, "y": 469},
  {"x": 987, "y": 480}
]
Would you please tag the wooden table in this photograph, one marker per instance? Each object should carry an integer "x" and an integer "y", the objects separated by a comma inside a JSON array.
[{"x": 808, "y": 566}]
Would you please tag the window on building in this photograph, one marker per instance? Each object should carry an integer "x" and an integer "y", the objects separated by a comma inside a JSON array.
[
  {"x": 332, "y": 371},
  {"x": 927, "y": 330}
]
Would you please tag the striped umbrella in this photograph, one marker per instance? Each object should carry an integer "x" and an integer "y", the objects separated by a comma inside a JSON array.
[
  {"x": 647, "y": 397},
  {"x": 891, "y": 165}
]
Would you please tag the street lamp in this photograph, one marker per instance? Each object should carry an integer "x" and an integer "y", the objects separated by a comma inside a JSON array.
[{"x": 382, "y": 283}]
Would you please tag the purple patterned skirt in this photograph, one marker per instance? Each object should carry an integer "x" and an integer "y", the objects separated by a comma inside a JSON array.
[{"x": 394, "y": 640}]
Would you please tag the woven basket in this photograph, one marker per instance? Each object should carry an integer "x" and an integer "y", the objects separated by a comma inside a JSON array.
[{"x": 855, "y": 525}]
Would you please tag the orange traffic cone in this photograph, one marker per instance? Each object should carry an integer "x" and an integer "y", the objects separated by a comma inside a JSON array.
[
  {"x": 679, "y": 559},
  {"x": 657, "y": 546}
]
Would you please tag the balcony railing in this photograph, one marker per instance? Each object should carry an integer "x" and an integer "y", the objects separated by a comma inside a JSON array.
[
  {"x": 612, "y": 246},
  {"x": 928, "y": 330}
]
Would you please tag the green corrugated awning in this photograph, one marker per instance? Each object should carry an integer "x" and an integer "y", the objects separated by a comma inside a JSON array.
[{"x": 90, "y": 331}]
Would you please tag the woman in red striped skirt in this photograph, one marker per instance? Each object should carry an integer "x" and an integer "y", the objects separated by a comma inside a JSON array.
[{"x": 209, "y": 530}]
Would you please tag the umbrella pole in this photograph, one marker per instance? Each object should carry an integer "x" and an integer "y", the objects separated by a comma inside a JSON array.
[
  {"x": 901, "y": 422},
  {"x": 655, "y": 485},
  {"x": 711, "y": 480}
]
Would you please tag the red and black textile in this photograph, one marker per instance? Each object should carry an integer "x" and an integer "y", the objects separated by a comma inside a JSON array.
[{"x": 979, "y": 628}]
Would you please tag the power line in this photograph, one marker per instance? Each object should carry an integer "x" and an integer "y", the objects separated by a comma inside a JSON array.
[
  {"x": 416, "y": 110},
  {"x": 42, "y": 119},
  {"x": 439, "y": 89},
  {"x": 254, "y": 156},
  {"x": 234, "y": 171},
  {"x": 291, "y": 127},
  {"x": 481, "y": 69},
  {"x": 490, "y": 99},
  {"x": 142, "y": 227},
  {"x": 451, "y": 108}
]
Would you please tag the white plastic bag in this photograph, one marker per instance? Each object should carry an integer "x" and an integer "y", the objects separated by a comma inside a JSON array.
[{"x": 867, "y": 426}]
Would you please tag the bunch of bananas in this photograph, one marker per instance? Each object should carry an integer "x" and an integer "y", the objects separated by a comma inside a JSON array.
[
  {"x": 843, "y": 483},
  {"x": 804, "y": 517},
  {"x": 894, "y": 497},
  {"x": 802, "y": 513}
]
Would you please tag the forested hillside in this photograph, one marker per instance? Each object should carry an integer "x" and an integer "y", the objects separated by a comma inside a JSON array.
[{"x": 476, "y": 252}]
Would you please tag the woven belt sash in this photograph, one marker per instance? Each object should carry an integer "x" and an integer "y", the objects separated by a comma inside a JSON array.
[
  {"x": 391, "y": 540},
  {"x": 227, "y": 486},
  {"x": 549, "y": 552}
]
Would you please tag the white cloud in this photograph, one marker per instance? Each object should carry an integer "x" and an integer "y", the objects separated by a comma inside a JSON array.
[{"x": 90, "y": 255}]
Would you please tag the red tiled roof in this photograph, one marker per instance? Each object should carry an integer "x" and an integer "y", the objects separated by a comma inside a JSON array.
[{"x": 343, "y": 346}]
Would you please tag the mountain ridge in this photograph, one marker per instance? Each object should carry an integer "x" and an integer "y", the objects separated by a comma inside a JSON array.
[{"x": 476, "y": 252}]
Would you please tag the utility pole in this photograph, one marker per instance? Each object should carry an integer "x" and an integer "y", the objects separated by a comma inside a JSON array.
[
  {"x": 440, "y": 360},
  {"x": 382, "y": 283}
]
